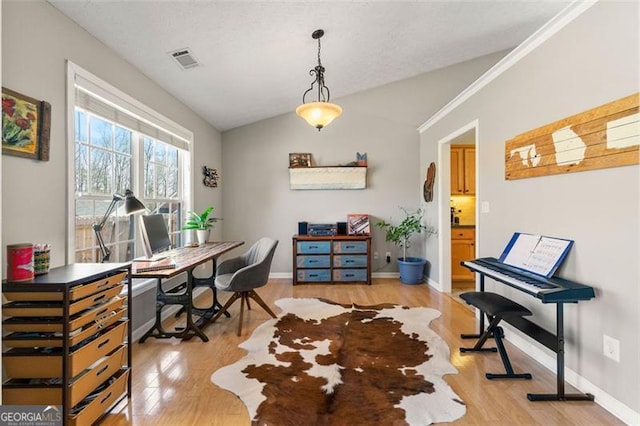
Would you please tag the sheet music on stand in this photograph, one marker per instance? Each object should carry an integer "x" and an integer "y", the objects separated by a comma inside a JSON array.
[{"x": 536, "y": 253}]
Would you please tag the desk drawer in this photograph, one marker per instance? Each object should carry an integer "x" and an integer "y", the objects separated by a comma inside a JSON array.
[
  {"x": 75, "y": 293},
  {"x": 313, "y": 261},
  {"x": 463, "y": 233},
  {"x": 349, "y": 246},
  {"x": 350, "y": 261},
  {"x": 314, "y": 247},
  {"x": 37, "y": 364},
  {"x": 103, "y": 400},
  {"x": 52, "y": 339},
  {"x": 313, "y": 275},
  {"x": 22, "y": 392},
  {"x": 56, "y": 309},
  {"x": 350, "y": 275},
  {"x": 54, "y": 324}
]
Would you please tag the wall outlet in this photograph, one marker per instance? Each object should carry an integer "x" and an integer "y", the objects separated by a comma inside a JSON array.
[
  {"x": 376, "y": 255},
  {"x": 611, "y": 348},
  {"x": 387, "y": 256}
]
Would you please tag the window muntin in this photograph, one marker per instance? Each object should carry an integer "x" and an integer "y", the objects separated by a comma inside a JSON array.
[{"x": 107, "y": 156}]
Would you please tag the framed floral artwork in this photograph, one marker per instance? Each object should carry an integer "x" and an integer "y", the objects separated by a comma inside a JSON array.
[{"x": 26, "y": 124}]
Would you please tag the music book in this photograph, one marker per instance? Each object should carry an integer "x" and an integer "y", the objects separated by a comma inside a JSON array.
[
  {"x": 154, "y": 265},
  {"x": 536, "y": 253}
]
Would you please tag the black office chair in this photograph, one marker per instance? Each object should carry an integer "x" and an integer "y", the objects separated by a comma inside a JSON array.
[{"x": 243, "y": 274}]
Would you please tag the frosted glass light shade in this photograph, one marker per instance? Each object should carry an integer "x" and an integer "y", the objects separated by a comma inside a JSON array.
[{"x": 319, "y": 114}]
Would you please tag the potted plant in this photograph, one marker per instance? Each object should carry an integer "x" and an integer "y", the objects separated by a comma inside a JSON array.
[
  {"x": 202, "y": 223},
  {"x": 411, "y": 268}
]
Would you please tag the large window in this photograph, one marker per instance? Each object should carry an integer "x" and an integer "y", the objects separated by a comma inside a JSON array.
[{"x": 115, "y": 150}]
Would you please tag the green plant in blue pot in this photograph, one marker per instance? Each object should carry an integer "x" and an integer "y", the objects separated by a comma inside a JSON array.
[{"x": 411, "y": 268}]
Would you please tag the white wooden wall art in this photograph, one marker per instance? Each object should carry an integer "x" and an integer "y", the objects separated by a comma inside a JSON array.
[{"x": 606, "y": 136}]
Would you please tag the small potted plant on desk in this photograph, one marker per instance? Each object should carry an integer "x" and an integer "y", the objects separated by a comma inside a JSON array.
[
  {"x": 202, "y": 223},
  {"x": 411, "y": 268}
]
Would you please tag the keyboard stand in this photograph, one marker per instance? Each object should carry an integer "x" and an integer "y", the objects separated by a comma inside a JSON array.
[
  {"x": 554, "y": 342},
  {"x": 560, "y": 395}
]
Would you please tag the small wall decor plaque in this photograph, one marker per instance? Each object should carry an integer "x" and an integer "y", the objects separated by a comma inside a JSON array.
[
  {"x": 26, "y": 124},
  {"x": 430, "y": 179},
  {"x": 210, "y": 177}
]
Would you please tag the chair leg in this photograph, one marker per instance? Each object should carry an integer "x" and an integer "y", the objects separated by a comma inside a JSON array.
[
  {"x": 226, "y": 306},
  {"x": 243, "y": 299},
  {"x": 252, "y": 294}
]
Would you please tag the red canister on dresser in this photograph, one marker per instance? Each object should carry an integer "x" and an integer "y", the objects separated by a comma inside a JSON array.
[{"x": 19, "y": 262}]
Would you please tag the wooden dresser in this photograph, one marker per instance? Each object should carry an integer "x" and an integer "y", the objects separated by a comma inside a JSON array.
[
  {"x": 66, "y": 337},
  {"x": 332, "y": 259}
]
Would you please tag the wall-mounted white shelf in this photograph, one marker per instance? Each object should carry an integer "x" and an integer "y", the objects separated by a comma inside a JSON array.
[{"x": 328, "y": 177}]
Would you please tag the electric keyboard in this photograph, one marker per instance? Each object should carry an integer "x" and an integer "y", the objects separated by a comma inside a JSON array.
[{"x": 548, "y": 290}]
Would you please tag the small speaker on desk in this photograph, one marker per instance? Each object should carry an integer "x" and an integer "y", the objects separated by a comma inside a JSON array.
[
  {"x": 303, "y": 228},
  {"x": 342, "y": 228}
]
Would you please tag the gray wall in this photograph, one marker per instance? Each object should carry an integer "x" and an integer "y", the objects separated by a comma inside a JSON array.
[
  {"x": 381, "y": 122},
  {"x": 592, "y": 61},
  {"x": 36, "y": 42}
]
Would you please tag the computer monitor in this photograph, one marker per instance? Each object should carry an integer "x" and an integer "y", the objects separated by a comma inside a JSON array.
[{"x": 155, "y": 235}]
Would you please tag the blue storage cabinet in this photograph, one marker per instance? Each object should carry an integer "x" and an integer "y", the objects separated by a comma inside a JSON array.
[{"x": 332, "y": 259}]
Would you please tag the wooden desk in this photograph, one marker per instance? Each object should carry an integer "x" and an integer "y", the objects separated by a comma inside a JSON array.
[{"x": 186, "y": 258}]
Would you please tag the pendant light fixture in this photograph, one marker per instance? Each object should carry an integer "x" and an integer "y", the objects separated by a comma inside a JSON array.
[{"x": 321, "y": 112}]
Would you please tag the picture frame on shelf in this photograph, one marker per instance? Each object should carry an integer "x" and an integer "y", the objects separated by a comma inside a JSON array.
[
  {"x": 297, "y": 159},
  {"x": 26, "y": 126},
  {"x": 358, "y": 224}
]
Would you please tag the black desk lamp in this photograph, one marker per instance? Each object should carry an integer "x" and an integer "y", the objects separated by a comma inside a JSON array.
[{"x": 131, "y": 205}]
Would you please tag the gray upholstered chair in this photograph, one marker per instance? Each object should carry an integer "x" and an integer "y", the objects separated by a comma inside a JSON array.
[{"x": 243, "y": 274}]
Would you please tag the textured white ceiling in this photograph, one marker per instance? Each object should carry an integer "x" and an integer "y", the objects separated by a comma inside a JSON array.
[{"x": 256, "y": 55}]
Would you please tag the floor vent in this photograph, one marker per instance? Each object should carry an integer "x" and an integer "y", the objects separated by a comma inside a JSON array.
[{"x": 184, "y": 58}]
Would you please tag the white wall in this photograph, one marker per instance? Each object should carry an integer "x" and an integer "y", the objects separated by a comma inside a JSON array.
[
  {"x": 380, "y": 122},
  {"x": 592, "y": 61},
  {"x": 36, "y": 42}
]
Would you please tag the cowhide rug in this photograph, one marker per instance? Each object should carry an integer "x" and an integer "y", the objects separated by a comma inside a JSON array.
[{"x": 321, "y": 363}]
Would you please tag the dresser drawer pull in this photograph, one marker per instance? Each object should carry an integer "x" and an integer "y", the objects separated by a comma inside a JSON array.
[
  {"x": 102, "y": 296},
  {"x": 101, "y": 312},
  {"x": 313, "y": 261},
  {"x": 314, "y": 247},
  {"x": 105, "y": 398},
  {"x": 103, "y": 343},
  {"x": 102, "y": 370},
  {"x": 314, "y": 275},
  {"x": 106, "y": 283}
]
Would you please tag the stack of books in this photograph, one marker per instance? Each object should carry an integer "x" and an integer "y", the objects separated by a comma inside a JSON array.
[{"x": 153, "y": 265}]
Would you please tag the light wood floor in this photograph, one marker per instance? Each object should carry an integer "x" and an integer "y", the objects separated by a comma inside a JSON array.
[{"x": 172, "y": 386}]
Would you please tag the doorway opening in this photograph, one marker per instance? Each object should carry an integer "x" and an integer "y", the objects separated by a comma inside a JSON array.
[{"x": 458, "y": 214}]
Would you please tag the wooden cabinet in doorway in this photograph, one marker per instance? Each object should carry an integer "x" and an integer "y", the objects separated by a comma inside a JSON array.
[
  {"x": 463, "y": 247},
  {"x": 463, "y": 169}
]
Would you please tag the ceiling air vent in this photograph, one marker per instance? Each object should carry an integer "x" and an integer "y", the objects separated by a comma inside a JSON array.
[{"x": 184, "y": 58}]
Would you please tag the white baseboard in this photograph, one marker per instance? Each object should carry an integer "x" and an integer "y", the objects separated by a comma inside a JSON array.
[
  {"x": 385, "y": 275},
  {"x": 602, "y": 398},
  {"x": 281, "y": 275},
  {"x": 435, "y": 284}
]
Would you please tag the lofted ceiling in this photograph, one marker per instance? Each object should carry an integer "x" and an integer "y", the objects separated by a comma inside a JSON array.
[{"x": 255, "y": 56}]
